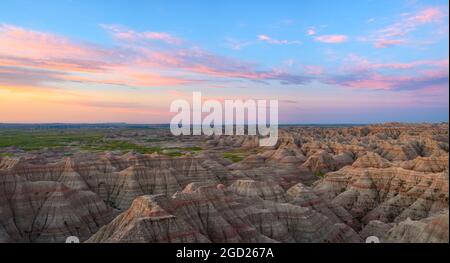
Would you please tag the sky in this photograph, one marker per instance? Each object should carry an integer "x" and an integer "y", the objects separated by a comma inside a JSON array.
[{"x": 365, "y": 61}]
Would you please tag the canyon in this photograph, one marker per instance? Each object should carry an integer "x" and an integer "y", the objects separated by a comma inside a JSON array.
[{"x": 316, "y": 185}]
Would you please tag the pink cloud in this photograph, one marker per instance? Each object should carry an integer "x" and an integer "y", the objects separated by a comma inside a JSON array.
[
  {"x": 125, "y": 34},
  {"x": 314, "y": 70},
  {"x": 357, "y": 63},
  {"x": 165, "y": 37},
  {"x": 60, "y": 59},
  {"x": 358, "y": 72},
  {"x": 434, "y": 90},
  {"x": 311, "y": 31},
  {"x": 331, "y": 39},
  {"x": 384, "y": 43},
  {"x": 395, "y": 33},
  {"x": 384, "y": 82},
  {"x": 410, "y": 22},
  {"x": 177, "y": 93},
  {"x": 396, "y": 65},
  {"x": 128, "y": 75},
  {"x": 129, "y": 63},
  {"x": 269, "y": 40},
  {"x": 374, "y": 82},
  {"x": 264, "y": 38},
  {"x": 235, "y": 44},
  {"x": 208, "y": 70},
  {"x": 148, "y": 79},
  {"x": 427, "y": 15},
  {"x": 42, "y": 50},
  {"x": 138, "y": 64},
  {"x": 19, "y": 42}
]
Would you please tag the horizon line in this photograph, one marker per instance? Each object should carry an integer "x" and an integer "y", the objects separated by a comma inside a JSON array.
[{"x": 128, "y": 123}]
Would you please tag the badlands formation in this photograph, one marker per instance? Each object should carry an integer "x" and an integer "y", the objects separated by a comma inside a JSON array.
[{"x": 318, "y": 184}]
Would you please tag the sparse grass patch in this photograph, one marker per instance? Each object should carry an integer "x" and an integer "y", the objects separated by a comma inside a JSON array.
[
  {"x": 7, "y": 154},
  {"x": 176, "y": 152},
  {"x": 238, "y": 155},
  {"x": 93, "y": 141},
  {"x": 319, "y": 174},
  {"x": 154, "y": 140},
  {"x": 123, "y": 146},
  {"x": 29, "y": 141},
  {"x": 172, "y": 153},
  {"x": 191, "y": 149},
  {"x": 234, "y": 157}
]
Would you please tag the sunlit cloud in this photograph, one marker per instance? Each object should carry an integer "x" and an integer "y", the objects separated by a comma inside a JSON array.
[
  {"x": 31, "y": 44},
  {"x": 313, "y": 70},
  {"x": 331, "y": 39},
  {"x": 355, "y": 62},
  {"x": 22, "y": 47},
  {"x": 427, "y": 15},
  {"x": 397, "y": 33},
  {"x": 385, "y": 82},
  {"x": 235, "y": 44},
  {"x": 129, "y": 63},
  {"x": 130, "y": 67},
  {"x": 410, "y": 22},
  {"x": 270, "y": 40},
  {"x": 360, "y": 73},
  {"x": 23, "y": 77},
  {"x": 384, "y": 43},
  {"x": 311, "y": 31},
  {"x": 443, "y": 63},
  {"x": 125, "y": 34},
  {"x": 144, "y": 66}
]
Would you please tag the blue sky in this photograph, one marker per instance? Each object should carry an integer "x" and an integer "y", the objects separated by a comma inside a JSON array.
[{"x": 326, "y": 61}]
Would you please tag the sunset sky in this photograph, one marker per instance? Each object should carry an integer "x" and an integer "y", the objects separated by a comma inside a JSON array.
[{"x": 126, "y": 61}]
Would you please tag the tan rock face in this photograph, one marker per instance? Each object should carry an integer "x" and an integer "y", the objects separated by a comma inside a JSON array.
[
  {"x": 388, "y": 194},
  {"x": 316, "y": 185},
  {"x": 433, "y": 229},
  {"x": 371, "y": 159},
  {"x": 434, "y": 164},
  {"x": 321, "y": 161},
  {"x": 264, "y": 190},
  {"x": 77, "y": 197},
  {"x": 48, "y": 211},
  {"x": 208, "y": 214}
]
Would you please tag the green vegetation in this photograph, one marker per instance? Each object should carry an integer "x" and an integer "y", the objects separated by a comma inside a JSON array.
[
  {"x": 125, "y": 146},
  {"x": 29, "y": 141},
  {"x": 175, "y": 152},
  {"x": 234, "y": 156},
  {"x": 172, "y": 153},
  {"x": 118, "y": 145},
  {"x": 320, "y": 174},
  {"x": 154, "y": 140},
  {"x": 238, "y": 155},
  {"x": 6, "y": 154},
  {"x": 191, "y": 149},
  {"x": 86, "y": 140}
]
